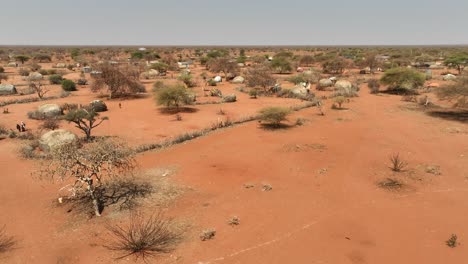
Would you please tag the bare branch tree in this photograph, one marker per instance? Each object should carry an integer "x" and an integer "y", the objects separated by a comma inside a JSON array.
[
  {"x": 119, "y": 82},
  {"x": 6, "y": 242},
  {"x": 38, "y": 87},
  {"x": 89, "y": 166}
]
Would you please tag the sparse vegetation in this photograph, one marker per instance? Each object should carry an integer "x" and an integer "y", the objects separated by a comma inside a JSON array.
[
  {"x": 397, "y": 164},
  {"x": 259, "y": 76},
  {"x": 174, "y": 96},
  {"x": 274, "y": 115},
  {"x": 68, "y": 85},
  {"x": 144, "y": 237},
  {"x": 403, "y": 78},
  {"x": 452, "y": 242},
  {"x": 390, "y": 184},
  {"x": 374, "y": 86},
  {"x": 88, "y": 166},
  {"x": 85, "y": 120},
  {"x": 6, "y": 242},
  {"x": 207, "y": 234}
]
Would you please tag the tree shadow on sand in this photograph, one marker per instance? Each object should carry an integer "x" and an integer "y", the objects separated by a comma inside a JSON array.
[
  {"x": 123, "y": 193},
  {"x": 273, "y": 127},
  {"x": 452, "y": 114},
  {"x": 175, "y": 110}
]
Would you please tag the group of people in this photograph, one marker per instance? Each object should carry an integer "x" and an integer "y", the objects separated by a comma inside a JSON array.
[{"x": 21, "y": 127}]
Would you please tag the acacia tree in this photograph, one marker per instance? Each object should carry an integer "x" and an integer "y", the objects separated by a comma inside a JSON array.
[
  {"x": 458, "y": 61},
  {"x": 22, "y": 58},
  {"x": 119, "y": 82},
  {"x": 89, "y": 166},
  {"x": 259, "y": 76},
  {"x": 403, "y": 78},
  {"x": 173, "y": 96},
  {"x": 224, "y": 65},
  {"x": 281, "y": 65},
  {"x": 85, "y": 120}
]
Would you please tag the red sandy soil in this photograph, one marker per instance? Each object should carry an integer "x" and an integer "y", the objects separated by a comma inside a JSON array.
[{"x": 325, "y": 205}]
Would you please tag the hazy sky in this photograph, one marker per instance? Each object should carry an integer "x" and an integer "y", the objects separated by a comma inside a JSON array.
[{"x": 235, "y": 22}]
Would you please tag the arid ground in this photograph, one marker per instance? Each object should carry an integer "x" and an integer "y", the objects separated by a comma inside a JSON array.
[{"x": 311, "y": 193}]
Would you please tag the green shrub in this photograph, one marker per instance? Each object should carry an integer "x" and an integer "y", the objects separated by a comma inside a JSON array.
[
  {"x": 187, "y": 79},
  {"x": 174, "y": 96},
  {"x": 403, "y": 78},
  {"x": 296, "y": 79},
  {"x": 43, "y": 72},
  {"x": 68, "y": 85},
  {"x": 55, "y": 79},
  {"x": 212, "y": 82},
  {"x": 274, "y": 115},
  {"x": 253, "y": 93}
]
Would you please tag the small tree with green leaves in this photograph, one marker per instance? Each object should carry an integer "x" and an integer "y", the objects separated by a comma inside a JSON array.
[
  {"x": 281, "y": 65},
  {"x": 55, "y": 79},
  {"x": 458, "y": 61},
  {"x": 173, "y": 96},
  {"x": 68, "y": 85},
  {"x": 274, "y": 115},
  {"x": 403, "y": 78},
  {"x": 22, "y": 58},
  {"x": 186, "y": 78},
  {"x": 85, "y": 120}
]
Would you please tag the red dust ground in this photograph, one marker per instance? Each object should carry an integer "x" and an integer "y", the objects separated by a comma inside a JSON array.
[{"x": 325, "y": 205}]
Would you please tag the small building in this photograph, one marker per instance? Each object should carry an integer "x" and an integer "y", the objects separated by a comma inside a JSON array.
[
  {"x": 7, "y": 89},
  {"x": 86, "y": 69}
]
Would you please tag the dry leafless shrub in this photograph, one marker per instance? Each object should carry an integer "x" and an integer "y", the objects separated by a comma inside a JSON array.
[
  {"x": 390, "y": 184},
  {"x": 452, "y": 241},
  {"x": 207, "y": 234},
  {"x": 144, "y": 237},
  {"x": 6, "y": 242},
  {"x": 397, "y": 164},
  {"x": 89, "y": 166},
  {"x": 50, "y": 124},
  {"x": 234, "y": 221}
]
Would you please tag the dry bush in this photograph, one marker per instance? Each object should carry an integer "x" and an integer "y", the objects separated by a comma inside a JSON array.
[
  {"x": 374, "y": 86},
  {"x": 144, "y": 237},
  {"x": 6, "y": 242},
  {"x": 120, "y": 82},
  {"x": 50, "y": 124},
  {"x": 207, "y": 234},
  {"x": 88, "y": 167},
  {"x": 390, "y": 184},
  {"x": 259, "y": 76},
  {"x": 234, "y": 221},
  {"x": 274, "y": 115},
  {"x": 397, "y": 164},
  {"x": 452, "y": 241}
]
